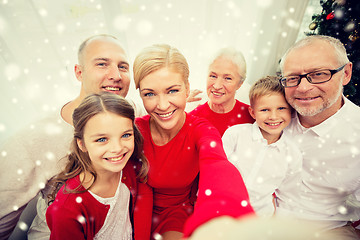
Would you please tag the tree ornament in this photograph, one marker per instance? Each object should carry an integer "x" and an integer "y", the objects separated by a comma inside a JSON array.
[
  {"x": 313, "y": 26},
  {"x": 330, "y": 16},
  {"x": 353, "y": 37}
]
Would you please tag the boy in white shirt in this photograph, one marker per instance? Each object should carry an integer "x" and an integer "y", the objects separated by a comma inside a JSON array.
[{"x": 261, "y": 152}]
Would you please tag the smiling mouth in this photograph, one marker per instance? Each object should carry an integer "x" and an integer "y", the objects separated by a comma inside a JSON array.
[
  {"x": 112, "y": 88},
  {"x": 306, "y": 99},
  {"x": 217, "y": 93},
  {"x": 166, "y": 115},
  {"x": 116, "y": 159},
  {"x": 273, "y": 124}
]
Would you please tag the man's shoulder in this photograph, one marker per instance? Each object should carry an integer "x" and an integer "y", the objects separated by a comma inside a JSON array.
[
  {"x": 351, "y": 109},
  {"x": 49, "y": 126}
]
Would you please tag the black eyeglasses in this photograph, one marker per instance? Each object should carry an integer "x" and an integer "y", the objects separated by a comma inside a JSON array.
[{"x": 316, "y": 77}]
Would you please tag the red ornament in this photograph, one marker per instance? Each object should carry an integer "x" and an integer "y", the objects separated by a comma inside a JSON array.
[{"x": 330, "y": 16}]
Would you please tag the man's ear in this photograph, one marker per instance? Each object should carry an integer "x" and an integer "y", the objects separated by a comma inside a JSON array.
[
  {"x": 251, "y": 111},
  {"x": 347, "y": 73},
  {"x": 81, "y": 145},
  {"x": 78, "y": 72}
]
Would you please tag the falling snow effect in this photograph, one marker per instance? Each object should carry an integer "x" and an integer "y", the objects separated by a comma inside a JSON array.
[
  {"x": 157, "y": 236},
  {"x": 52, "y": 56},
  {"x": 244, "y": 203},
  {"x": 78, "y": 199},
  {"x": 213, "y": 144},
  {"x": 81, "y": 219},
  {"x": 23, "y": 226},
  {"x": 41, "y": 185},
  {"x": 342, "y": 210},
  {"x": 12, "y": 71},
  {"x": 207, "y": 192},
  {"x": 50, "y": 156},
  {"x": 140, "y": 25}
]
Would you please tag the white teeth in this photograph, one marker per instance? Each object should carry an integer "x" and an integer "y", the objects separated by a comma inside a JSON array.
[
  {"x": 112, "y": 88},
  {"x": 217, "y": 94},
  {"x": 166, "y": 115},
  {"x": 114, "y": 159},
  {"x": 273, "y": 124}
]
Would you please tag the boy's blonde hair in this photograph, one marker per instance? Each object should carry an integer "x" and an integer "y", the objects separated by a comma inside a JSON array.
[{"x": 265, "y": 86}]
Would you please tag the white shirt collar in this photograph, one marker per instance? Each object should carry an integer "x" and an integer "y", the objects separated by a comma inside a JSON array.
[
  {"x": 326, "y": 126},
  {"x": 257, "y": 136}
]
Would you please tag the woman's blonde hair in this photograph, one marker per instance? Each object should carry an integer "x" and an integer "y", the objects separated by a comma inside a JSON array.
[
  {"x": 79, "y": 161},
  {"x": 158, "y": 56}
]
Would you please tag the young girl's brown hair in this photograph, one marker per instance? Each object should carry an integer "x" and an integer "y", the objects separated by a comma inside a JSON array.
[{"x": 79, "y": 161}]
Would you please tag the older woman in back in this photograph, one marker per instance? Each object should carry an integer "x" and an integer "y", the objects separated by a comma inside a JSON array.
[{"x": 226, "y": 74}]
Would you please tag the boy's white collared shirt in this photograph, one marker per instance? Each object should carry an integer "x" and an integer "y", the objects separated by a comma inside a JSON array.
[{"x": 263, "y": 167}]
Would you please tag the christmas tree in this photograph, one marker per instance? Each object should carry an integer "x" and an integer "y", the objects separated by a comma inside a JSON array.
[{"x": 341, "y": 19}]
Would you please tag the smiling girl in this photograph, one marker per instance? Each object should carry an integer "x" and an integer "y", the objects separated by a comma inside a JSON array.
[{"x": 100, "y": 183}]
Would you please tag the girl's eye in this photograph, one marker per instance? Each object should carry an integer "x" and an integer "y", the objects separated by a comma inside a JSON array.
[
  {"x": 149, "y": 94},
  {"x": 263, "y": 110},
  {"x": 228, "y": 78},
  {"x": 101, "y": 139},
  {"x": 126, "y": 135},
  {"x": 173, "y": 91},
  {"x": 282, "y": 108}
]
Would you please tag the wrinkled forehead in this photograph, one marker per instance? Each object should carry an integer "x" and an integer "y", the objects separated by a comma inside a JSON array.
[
  {"x": 312, "y": 49},
  {"x": 314, "y": 55}
]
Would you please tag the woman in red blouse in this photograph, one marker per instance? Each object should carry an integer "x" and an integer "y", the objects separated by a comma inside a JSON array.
[
  {"x": 226, "y": 74},
  {"x": 179, "y": 147}
]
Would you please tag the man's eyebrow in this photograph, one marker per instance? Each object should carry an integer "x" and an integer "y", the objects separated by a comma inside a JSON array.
[
  {"x": 108, "y": 60},
  {"x": 101, "y": 59},
  {"x": 125, "y": 62}
]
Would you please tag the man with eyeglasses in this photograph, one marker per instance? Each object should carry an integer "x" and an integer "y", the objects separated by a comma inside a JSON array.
[{"x": 326, "y": 128}]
